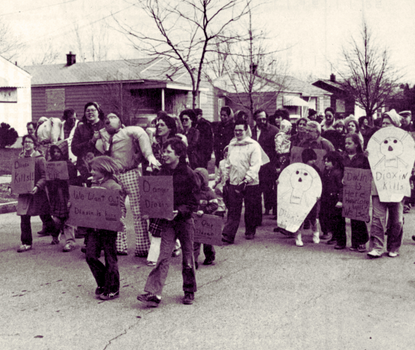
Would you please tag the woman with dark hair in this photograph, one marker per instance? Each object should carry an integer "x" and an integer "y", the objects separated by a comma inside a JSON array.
[
  {"x": 188, "y": 120},
  {"x": 69, "y": 126},
  {"x": 331, "y": 219},
  {"x": 355, "y": 158},
  {"x": 279, "y": 115},
  {"x": 300, "y": 135},
  {"x": 352, "y": 127},
  {"x": 86, "y": 136},
  {"x": 35, "y": 202}
]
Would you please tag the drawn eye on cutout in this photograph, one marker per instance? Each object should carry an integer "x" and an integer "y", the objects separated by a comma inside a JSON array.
[{"x": 385, "y": 142}]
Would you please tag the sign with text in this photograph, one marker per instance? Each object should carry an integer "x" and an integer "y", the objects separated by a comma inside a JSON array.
[
  {"x": 156, "y": 193},
  {"x": 23, "y": 175},
  {"x": 208, "y": 229},
  {"x": 57, "y": 171},
  {"x": 356, "y": 193},
  {"x": 299, "y": 186},
  {"x": 296, "y": 156},
  {"x": 97, "y": 208},
  {"x": 391, "y": 158}
]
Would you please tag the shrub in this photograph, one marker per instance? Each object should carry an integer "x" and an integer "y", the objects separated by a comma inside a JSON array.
[{"x": 8, "y": 135}]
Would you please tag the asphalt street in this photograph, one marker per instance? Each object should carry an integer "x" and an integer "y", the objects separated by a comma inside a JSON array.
[{"x": 260, "y": 294}]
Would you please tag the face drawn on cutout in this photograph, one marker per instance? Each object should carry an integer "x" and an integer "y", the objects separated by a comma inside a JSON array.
[
  {"x": 391, "y": 148},
  {"x": 301, "y": 181}
]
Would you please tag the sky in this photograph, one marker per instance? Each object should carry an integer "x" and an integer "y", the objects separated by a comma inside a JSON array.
[{"x": 309, "y": 33}]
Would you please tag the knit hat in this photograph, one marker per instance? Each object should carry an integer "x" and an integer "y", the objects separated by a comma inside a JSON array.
[{"x": 393, "y": 116}]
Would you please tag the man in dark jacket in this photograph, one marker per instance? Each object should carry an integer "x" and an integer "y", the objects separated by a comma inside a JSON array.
[
  {"x": 205, "y": 145},
  {"x": 264, "y": 133},
  {"x": 223, "y": 133}
]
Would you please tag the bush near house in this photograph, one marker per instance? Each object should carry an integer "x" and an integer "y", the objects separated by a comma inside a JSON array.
[{"x": 8, "y": 135}]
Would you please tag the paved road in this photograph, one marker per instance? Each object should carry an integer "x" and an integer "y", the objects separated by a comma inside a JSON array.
[{"x": 261, "y": 294}]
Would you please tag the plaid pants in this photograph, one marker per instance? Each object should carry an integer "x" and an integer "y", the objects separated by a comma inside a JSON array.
[{"x": 129, "y": 183}]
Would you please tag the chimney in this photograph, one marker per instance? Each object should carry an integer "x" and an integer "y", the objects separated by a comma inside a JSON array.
[
  {"x": 253, "y": 67},
  {"x": 332, "y": 77},
  {"x": 70, "y": 59}
]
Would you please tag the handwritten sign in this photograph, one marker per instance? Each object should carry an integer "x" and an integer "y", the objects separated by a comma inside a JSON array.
[
  {"x": 296, "y": 156},
  {"x": 23, "y": 175},
  {"x": 57, "y": 171},
  {"x": 299, "y": 186},
  {"x": 156, "y": 193},
  {"x": 391, "y": 158},
  {"x": 97, "y": 208},
  {"x": 356, "y": 193},
  {"x": 208, "y": 229}
]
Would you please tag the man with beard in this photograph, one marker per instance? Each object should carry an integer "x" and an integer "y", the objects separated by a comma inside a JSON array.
[
  {"x": 264, "y": 133},
  {"x": 129, "y": 146},
  {"x": 223, "y": 133},
  {"x": 328, "y": 122}
]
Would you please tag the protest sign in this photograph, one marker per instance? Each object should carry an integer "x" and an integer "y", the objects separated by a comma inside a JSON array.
[
  {"x": 356, "y": 193},
  {"x": 391, "y": 158},
  {"x": 23, "y": 175},
  {"x": 156, "y": 193},
  {"x": 296, "y": 156},
  {"x": 299, "y": 186},
  {"x": 97, "y": 208},
  {"x": 57, "y": 171},
  {"x": 208, "y": 229}
]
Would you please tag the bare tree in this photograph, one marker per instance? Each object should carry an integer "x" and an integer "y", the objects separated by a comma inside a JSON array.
[
  {"x": 10, "y": 45},
  {"x": 249, "y": 70},
  {"x": 48, "y": 54},
  {"x": 92, "y": 42},
  {"x": 369, "y": 75},
  {"x": 185, "y": 31}
]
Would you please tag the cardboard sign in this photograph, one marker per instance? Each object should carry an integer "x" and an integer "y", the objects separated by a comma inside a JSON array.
[
  {"x": 156, "y": 196},
  {"x": 299, "y": 187},
  {"x": 391, "y": 158},
  {"x": 97, "y": 208},
  {"x": 296, "y": 156},
  {"x": 356, "y": 193},
  {"x": 23, "y": 175},
  {"x": 57, "y": 171},
  {"x": 208, "y": 229}
]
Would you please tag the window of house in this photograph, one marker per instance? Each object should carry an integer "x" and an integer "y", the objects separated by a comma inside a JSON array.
[
  {"x": 8, "y": 95},
  {"x": 55, "y": 100}
]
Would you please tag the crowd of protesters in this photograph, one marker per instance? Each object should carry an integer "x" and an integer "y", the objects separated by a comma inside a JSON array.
[{"x": 101, "y": 152}]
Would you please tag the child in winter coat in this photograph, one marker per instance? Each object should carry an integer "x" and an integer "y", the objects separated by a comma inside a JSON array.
[
  {"x": 59, "y": 197},
  {"x": 355, "y": 158},
  {"x": 207, "y": 204},
  {"x": 103, "y": 170},
  {"x": 331, "y": 219}
]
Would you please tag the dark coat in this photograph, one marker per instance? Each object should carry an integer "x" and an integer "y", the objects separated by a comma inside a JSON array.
[
  {"x": 81, "y": 143},
  {"x": 37, "y": 204},
  {"x": 223, "y": 134},
  {"x": 204, "y": 147},
  {"x": 192, "y": 140},
  {"x": 332, "y": 190},
  {"x": 267, "y": 141},
  {"x": 184, "y": 188},
  {"x": 359, "y": 161}
]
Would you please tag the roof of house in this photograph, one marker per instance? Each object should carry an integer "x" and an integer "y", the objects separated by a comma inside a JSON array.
[
  {"x": 331, "y": 83},
  {"x": 155, "y": 69},
  {"x": 268, "y": 83}
]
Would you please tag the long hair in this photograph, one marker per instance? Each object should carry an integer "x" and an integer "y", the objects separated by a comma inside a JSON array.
[
  {"x": 105, "y": 165},
  {"x": 356, "y": 140}
]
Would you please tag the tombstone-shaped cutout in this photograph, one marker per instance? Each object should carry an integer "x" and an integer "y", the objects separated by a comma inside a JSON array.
[
  {"x": 391, "y": 158},
  {"x": 298, "y": 189}
]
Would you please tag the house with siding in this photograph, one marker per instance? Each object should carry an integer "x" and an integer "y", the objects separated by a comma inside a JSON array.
[
  {"x": 343, "y": 104},
  {"x": 15, "y": 96},
  {"x": 271, "y": 93},
  {"x": 135, "y": 89}
]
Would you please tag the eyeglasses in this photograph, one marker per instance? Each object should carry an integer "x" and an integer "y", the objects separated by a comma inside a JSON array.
[
  {"x": 28, "y": 141},
  {"x": 185, "y": 119}
]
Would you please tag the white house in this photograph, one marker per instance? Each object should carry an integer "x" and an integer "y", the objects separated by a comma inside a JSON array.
[{"x": 15, "y": 96}]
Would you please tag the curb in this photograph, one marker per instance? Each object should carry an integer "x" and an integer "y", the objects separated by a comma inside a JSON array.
[{"x": 8, "y": 207}]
